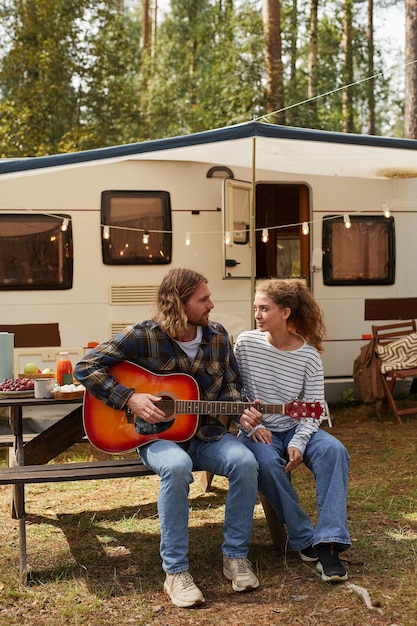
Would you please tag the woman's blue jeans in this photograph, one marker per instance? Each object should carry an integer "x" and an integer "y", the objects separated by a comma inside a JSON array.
[
  {"x": 328, "y": 460},
  {"x": 225, "y": 457}
]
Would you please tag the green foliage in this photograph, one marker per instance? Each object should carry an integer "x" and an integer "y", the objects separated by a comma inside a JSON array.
[
  {"x": 214, "y": 79},
  {"x": 74, "y": 74},
  {"x": 109, "y": 90},
  {"x": 38, "y": 98}
]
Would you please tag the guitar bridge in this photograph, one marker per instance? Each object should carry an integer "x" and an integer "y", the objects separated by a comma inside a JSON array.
[{"x": 129, "y": 415}]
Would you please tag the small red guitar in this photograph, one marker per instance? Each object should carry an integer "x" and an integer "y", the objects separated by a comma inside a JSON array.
[{"x": 115, "y": 431}]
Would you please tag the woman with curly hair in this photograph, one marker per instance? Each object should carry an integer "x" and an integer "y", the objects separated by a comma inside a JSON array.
[{"x": 280, "y": 362}]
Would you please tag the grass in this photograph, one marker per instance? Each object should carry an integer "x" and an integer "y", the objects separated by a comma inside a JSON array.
[{"x": 94, "y": 547}]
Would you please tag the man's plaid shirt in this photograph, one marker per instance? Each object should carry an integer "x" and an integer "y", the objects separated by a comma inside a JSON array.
[{"x": 214, "y": 369}]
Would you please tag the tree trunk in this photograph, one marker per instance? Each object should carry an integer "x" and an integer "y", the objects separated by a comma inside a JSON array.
[
  {"x": 154, "y": 32},
  {"x": 273, "y": 61},
  {"x": 371, "y": 69},
  {"x": 145, "y": 26},
  {"x": 410, "y": 100},
  {"x": 312, "y": 63},
  {"x": 347, "y": 102},
  {"x": 145, "y": 43},
  {"x": 293, "y": 45}
]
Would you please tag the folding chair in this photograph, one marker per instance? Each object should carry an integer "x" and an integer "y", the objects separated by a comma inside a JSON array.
[{"x": 396, "y": 349}]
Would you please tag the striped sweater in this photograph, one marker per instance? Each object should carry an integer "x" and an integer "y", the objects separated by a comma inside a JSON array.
[{"x": 278, "y": 376}]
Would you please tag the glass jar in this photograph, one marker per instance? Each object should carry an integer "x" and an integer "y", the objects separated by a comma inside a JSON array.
[{"x": 64, "y": 369}]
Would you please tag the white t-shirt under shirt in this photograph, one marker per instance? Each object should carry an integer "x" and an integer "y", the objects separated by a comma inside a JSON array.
[
  {"x": 191, "y": 347},
  {"x": 279, "y": 376}
]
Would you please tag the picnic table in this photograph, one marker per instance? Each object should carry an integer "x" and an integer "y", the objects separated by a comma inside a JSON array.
[{"x": 30, "y": 463}]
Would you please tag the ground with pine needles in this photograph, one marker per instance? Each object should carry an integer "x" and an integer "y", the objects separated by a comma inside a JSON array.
[{"x": 93, "y": 547}]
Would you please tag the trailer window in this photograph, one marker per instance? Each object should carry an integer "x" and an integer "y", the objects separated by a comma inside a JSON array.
[
  {"x": 35, "y": 251},
  {"x": 363, "y": 254},
  {"x": 136, "y": 227}
]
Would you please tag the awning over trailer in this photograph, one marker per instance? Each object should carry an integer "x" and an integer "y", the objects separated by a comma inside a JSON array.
[{"x": 273, "y": 148}]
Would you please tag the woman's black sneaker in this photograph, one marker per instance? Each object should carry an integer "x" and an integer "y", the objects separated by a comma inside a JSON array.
[
  {"x": 329, "y": 565},
  {"x": 309, "y": 554}
]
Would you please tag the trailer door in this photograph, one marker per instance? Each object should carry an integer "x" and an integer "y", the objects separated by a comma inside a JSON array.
[
  {"x": 282, "y": 230},
  {"x": 236, "y": 206}
]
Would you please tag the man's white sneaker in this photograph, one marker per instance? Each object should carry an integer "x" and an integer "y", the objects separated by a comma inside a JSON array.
[
  {"x": 182, "y": 590},
  {"x": 240, "y": 572}
]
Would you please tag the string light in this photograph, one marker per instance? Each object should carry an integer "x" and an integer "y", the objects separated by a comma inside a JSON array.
[
  {"x": 305, "y": 226},
  {"x": 145, "y": 237}
]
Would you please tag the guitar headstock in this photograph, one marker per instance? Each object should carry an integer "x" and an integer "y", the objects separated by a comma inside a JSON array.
[{"x": 299, "y": 409}]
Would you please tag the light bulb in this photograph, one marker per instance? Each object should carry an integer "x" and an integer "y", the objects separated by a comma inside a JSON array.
[{"x": 265, "y": 235}]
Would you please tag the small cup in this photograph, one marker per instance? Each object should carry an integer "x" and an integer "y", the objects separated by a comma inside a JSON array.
[{"x": 43, "y": 387}]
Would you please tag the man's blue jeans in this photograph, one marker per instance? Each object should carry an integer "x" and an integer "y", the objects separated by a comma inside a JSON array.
[
  {"x": 328, "y": 460},
  {"x": 224, "y": 457}
]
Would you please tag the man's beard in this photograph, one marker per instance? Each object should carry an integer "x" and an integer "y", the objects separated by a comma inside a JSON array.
[{"x": 202, "y": 321}]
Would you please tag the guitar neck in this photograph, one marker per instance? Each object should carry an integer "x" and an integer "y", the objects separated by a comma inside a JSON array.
[
  {"x": 296, "y": 409},
  {"x": 217, "y": 407}
]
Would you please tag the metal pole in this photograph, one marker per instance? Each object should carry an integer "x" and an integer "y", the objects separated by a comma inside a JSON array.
[{"x": 253, "y": 230}]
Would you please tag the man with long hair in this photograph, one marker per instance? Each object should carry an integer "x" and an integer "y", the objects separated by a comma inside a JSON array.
[{"x": 181, "y": 339}]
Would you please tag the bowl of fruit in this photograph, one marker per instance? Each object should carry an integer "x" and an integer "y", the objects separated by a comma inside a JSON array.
[
  {"x": 17, "y": 388},
  {"x": 31, "y": 370}
]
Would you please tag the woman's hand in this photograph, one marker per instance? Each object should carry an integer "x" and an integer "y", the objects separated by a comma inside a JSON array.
[
  {"x": 295, "y": 458},
  {"x": 263, "y": 435}
]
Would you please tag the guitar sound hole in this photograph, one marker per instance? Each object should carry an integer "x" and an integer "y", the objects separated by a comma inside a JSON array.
[{"x": 167, "y": 405}]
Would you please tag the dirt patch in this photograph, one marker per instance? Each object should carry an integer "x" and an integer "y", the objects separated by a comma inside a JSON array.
[{"x": 94, "y": 547}]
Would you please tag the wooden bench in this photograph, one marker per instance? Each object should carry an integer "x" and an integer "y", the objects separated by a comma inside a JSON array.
[
  {"x": 61, "y": 472},
  {"x": 19, "y": 476}
]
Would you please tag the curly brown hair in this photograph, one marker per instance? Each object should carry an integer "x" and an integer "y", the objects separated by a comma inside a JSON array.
[
  {"x": 306, "y": 318},
  {"x": 174, "y": 291}
]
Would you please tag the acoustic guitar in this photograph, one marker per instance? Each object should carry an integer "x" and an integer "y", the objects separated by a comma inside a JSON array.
[{"x": 116, "y": 431}]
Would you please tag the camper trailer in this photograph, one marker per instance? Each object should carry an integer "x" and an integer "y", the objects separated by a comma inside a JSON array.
[{"x": 85, "y": 238}]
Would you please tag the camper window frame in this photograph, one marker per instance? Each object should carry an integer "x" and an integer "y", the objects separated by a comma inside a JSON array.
[
  {"x": 387, "y": 273},
  {"x": 159, "y": 228},
  {"x": 60, "y": 276}
]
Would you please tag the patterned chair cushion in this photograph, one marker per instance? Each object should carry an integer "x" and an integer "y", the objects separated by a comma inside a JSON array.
[{"x": 399, "y": 354}]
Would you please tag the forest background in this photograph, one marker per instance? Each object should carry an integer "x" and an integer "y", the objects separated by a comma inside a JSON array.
[{"x": 83, "y": 74}]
